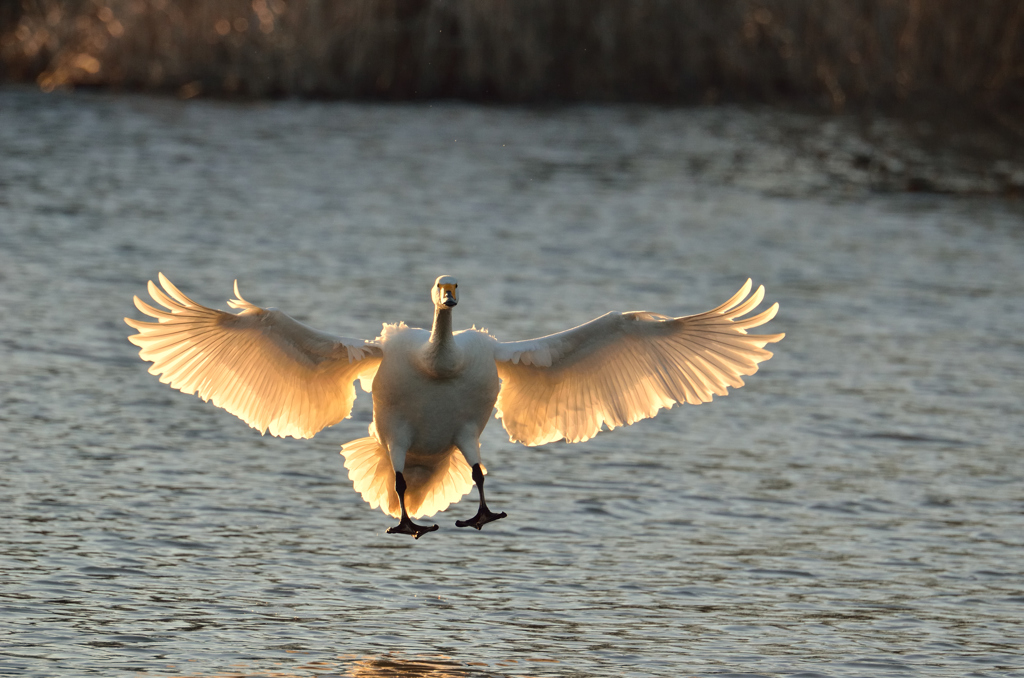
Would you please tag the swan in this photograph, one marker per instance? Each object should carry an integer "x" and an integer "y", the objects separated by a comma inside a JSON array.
[{"x": 434, "y": 391}]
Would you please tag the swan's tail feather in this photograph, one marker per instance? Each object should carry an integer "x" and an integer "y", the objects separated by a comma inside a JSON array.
[
  {"x": 435, "y": 488},
  {"x": 369, "y": 469},
  {"x": 431, "y": 485}
]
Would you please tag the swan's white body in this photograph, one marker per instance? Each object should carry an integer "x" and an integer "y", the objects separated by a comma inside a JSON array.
[
  {"x": 423, "y": 420},
  {"x": 434, "y": 391}
]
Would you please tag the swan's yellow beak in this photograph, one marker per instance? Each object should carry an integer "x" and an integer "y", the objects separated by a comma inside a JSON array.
[{"x": 448, "y": 295}]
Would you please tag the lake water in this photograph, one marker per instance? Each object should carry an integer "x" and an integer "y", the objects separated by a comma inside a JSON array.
[{"x": 856, "y": 510}]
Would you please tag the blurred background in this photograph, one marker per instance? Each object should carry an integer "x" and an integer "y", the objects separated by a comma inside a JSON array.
[
  {"x": 955, "y": 69},
  {"x": 855, "y": 509},
  {"x": 831, "y": 54}
]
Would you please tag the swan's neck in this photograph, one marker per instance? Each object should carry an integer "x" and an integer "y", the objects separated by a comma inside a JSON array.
[{"x": 442, "y": 355}]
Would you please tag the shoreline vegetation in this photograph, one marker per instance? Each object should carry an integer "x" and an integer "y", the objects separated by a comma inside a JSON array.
[
  {"x": 949, "y": 74},
  {"x": 836, "y": 55}
]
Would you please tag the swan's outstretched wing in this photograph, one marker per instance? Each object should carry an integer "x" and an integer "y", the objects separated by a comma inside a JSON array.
[
  {"x": 264, "y": 367},
  {"x": 624, "y": 367}
]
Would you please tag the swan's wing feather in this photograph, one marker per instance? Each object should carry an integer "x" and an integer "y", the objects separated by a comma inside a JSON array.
[
  {"x": 261, "y": 365},
  {"x": 623, "y": 367}
]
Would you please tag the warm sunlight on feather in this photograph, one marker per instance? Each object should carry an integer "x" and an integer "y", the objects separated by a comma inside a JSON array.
[{"x": 434, "y": 391}]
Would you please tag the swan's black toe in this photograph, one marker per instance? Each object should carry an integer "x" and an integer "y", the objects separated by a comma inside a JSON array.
[
  {"x": 482, "y": 517},
  {"x": 409, "y": 527}
]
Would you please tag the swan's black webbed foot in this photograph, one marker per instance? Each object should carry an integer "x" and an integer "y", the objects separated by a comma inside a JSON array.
[
  {"x": 409, "y": 527},
  {"x": 406, "y": 526},
  {"x": 482, "y": 517}
]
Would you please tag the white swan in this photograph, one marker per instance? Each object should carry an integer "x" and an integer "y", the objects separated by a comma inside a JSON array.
[{"x": 433, "y": 392}]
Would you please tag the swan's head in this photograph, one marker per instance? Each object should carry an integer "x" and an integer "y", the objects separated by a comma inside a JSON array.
[{"x": 445, "y": 292}]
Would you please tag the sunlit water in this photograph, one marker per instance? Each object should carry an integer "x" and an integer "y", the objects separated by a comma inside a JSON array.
[{"x": 856, "y": 510}]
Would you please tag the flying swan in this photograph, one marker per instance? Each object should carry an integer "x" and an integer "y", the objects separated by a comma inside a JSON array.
[{"x": 434, "y": 391}]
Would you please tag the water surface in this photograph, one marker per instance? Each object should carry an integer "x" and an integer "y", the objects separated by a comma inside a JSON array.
[{"x": 855, "y": 510}]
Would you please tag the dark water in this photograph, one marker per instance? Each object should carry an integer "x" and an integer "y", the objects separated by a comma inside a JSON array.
[{"x": 856, "y": 510}]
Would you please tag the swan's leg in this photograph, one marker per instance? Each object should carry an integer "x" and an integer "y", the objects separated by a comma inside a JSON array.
[
  {"x": 406, "y": 526},
  {"x": 397, "y": 450},
  {"x": 483, "y": 514},
  {"x": 468, "y": 443}
]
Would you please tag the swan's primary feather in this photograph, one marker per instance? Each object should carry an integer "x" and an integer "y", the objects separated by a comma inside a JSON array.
[
  {"x": 268, "y": 369},
  {"x": 623, "y": 367}
]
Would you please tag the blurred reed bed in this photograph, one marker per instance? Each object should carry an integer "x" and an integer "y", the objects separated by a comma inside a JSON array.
[{"x": 836, "y": 53}]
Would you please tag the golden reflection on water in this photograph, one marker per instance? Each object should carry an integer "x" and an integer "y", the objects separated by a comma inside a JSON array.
[
  {"x": 356, "y": 666},
  {"x": 385, "y": 667}
]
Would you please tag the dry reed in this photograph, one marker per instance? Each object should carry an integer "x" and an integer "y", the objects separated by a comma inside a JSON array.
[{"x": 837, "y": 53}]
